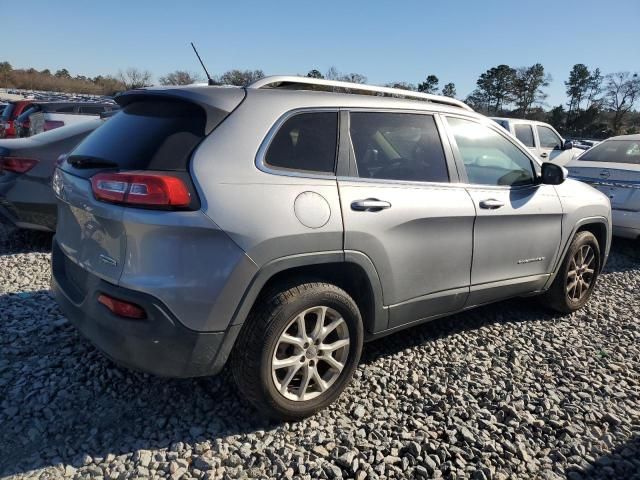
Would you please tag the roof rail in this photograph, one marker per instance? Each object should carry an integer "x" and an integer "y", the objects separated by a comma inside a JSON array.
[{"x": 289, "y": 80}]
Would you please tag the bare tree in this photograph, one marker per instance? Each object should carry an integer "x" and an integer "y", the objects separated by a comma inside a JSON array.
[
  {"x": 180, "y": 77},
  {"x": 240, "y": 78},
  {"x": 621, "y": 92},
  {"x": 134, "y": 78},
  {"x": 334, "y": 74}
]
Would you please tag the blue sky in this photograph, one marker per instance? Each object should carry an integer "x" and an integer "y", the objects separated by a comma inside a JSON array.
[{"x": 386, "y": 41}]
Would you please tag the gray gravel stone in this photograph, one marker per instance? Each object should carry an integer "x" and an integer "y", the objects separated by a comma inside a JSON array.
[{"x": 504, "y": 391}]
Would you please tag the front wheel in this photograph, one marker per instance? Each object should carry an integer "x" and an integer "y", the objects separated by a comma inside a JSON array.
[
  {"x": 577, "y": 276},
  {"x": 298, "y": 350}
]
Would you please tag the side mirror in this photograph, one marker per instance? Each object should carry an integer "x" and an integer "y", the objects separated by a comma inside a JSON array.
[
  {"x": 553, "y": 174},
  {"x": 567, "y": 145}
]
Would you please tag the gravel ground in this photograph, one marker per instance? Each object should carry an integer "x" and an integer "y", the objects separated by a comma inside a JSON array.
[{"x": 506, "y": 391}]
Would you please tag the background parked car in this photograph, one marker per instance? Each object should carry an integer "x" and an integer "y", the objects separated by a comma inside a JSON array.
[
  {"x": 613, "y": 167},
  {"x": 26, "y": 167},
  {"x": 541, "y": 138},
  {"x": 12, "y": 111},
  {"x": 43, "y": 116}
]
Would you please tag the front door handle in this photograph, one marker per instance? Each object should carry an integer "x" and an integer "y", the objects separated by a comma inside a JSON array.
[
  {"x": 491, "y": 204},
  {"x": 369, "y": 205},
  {"x": 544, "y": 155}
]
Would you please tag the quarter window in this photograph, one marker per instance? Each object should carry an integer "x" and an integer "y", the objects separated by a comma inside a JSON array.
[
  {"x": 548, "y": 138},
  {"x": 398, "y": 146},
  {"x": 524, "y": 133},
  {"x": 489, "y": 158},
  {"x": 306, "y": 141}
]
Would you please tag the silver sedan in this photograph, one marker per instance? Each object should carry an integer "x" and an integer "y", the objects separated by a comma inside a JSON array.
[{"x": 613, "y": 167}]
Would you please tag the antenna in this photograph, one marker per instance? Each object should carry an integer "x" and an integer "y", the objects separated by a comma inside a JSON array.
[{"x": 211, "y": 82}]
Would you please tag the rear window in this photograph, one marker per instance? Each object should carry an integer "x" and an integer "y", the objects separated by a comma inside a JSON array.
[
  {"x": 617, "y": 151},
  {"x": 92, "y": 109},
  {"x": 306, "y": 142},
  {"x": 6, "y": 114},
  {"x": 524, "y": 133},
  {"x": 146, "y": 135}
]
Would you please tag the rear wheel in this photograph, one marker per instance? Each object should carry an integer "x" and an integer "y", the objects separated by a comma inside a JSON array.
[
  {"x": 298, "y": 350},
  {"x": 576, "y": 279}
]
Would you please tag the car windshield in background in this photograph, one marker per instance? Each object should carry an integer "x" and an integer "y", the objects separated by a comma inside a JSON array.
[
  {"x": 6, "y": 114},
  {"x": 617, "y": 151}
]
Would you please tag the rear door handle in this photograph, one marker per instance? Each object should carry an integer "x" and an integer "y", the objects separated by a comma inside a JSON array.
[
  {"x": 544, "y": 155},
  {"x": 369, "y": 205},
  {"x": 491, "y": 204}
]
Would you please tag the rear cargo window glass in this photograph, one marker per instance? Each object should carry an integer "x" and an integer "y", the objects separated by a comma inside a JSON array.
[
  {"x": 92, "y": 109},
  {"x": 153, "y": 135},
  {"x": 306, "y": 142},
  {"x": 618, "y": 151},
  {"x": 524, "y": 133},
  {"x": 67, "y": 109}
]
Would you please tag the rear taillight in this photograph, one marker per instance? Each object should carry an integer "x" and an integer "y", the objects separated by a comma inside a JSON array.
[
  {"x": 17, "y": 164},
  {"x": 122, "y": 308},
  {"x": 141, "y": 189}
]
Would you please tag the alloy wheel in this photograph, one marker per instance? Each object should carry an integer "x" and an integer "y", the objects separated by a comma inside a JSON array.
[
  {"x": 581, "y": 273},
  {"x": 310, "y": 354}
]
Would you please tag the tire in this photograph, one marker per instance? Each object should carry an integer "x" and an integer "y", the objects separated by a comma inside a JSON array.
[
  {"x": 559, "y": 296},
  {"x": 261, "y": 343}
]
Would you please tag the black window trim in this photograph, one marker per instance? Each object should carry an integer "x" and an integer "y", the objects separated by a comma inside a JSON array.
[
  {"x": 349, "y": 157},
  {"x": 464, "y": 179},
  {"x": 263, "y": 166}
]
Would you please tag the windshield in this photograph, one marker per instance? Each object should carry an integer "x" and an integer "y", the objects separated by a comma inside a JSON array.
[{"x": 618, "y": 151}]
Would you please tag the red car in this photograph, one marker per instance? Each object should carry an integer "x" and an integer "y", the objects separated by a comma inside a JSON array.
[{"x": 10, "y": 113}]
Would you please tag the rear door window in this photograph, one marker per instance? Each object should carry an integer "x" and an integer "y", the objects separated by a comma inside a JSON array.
[
  {"x": 145, "y": 135},
  {"x": 305, "y": 142},
  {"x": 398, "y": 146},
  {"x": 524, "y": 133}
]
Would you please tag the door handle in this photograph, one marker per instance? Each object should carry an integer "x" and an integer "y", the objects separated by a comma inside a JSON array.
[
  {"x": 491, "y": 204},
  {"x": 544, "y": 155},
  {"x": 369, "y": 205}
]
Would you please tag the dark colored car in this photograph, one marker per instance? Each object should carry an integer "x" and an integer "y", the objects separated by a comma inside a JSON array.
[
  {"x": 26, "y": 168},
  {"x": 56, "y": 115},
  {"x": 12, "y": 111}
]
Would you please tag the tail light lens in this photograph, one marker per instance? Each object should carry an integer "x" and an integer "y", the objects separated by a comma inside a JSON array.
[
  {"x": 122, "y": 308},
  {"x": 17, "y": 164},
  {"x": 141, "y": 189}
]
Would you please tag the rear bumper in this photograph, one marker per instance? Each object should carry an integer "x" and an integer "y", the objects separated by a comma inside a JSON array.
[
  {"x": 158, "y": 344},
  {"x": 626, "y": 224}
]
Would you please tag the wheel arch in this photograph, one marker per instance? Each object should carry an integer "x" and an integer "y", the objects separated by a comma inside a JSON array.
[
  {"x": 350, "y": 270},
  {"x": 601, "y": 229}
]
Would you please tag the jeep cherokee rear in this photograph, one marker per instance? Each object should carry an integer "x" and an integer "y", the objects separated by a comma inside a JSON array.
[{"x": 281, "y": 228}]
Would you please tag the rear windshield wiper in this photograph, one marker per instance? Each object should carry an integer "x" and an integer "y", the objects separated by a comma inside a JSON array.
[{"x": 91, "y": 162}]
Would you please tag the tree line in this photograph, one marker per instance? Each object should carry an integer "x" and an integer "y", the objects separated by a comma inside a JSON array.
[{"x": 598, "y": 105}]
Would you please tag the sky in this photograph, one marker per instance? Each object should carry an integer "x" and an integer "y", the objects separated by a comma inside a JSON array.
[{"x": 385, "y": 41}]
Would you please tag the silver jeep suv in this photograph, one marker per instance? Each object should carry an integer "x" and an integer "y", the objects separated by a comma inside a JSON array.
[{"x": 282, "y": 225}]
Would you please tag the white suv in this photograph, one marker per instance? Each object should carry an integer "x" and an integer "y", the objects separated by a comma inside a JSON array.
[{"x": 541, "y": 138}]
